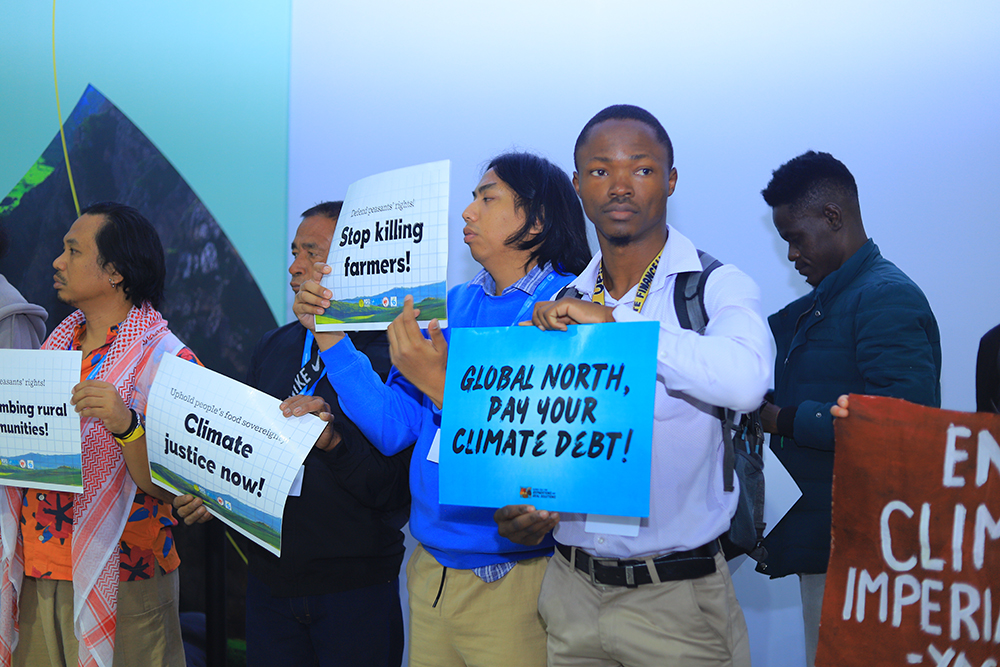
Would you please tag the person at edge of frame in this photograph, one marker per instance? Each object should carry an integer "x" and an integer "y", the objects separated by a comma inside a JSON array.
[{"x": 103, "y": 562}]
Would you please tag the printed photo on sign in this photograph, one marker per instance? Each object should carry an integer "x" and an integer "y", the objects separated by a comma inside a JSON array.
[
  {"x": 560, "y": 420},
  {"x": 39, "y": 429},
  {"x": 913, "y": 569},
  {"x": 391, "y": 240},
  {"x": 228, "y": 444}
]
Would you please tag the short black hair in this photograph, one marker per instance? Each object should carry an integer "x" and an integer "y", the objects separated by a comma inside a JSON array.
[
  {"x": 330, "y": 209},
  {"x": 805, "y": 180},
  {"x": 626, "y": 112},
  {"x": 129, "y": 242},
  {"x": 545, "y": 194}
]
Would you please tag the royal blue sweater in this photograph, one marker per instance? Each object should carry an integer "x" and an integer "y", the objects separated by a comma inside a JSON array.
[{"x": 396, "y": 414}]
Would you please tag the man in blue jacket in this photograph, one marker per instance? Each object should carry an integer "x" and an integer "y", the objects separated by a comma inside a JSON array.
[{"x": 865, "y": 328}]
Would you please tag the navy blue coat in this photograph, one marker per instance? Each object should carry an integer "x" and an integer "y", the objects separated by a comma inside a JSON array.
[
  {"x": 343, "y": 531},
  {"x": 866, "y": 329}
]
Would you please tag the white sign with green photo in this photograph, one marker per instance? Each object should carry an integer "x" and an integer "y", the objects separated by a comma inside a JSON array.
[{"x": 39, "y": 430}]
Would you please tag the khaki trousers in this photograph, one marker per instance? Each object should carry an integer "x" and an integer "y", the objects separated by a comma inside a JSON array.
[
  {"x": 685, "y": 623},
  {"x": 474, "y": 624},
  {"x": 147, "y": 632}
]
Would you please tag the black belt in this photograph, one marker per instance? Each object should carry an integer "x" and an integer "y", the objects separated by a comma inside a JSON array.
[{"x": 631, "y": 573}]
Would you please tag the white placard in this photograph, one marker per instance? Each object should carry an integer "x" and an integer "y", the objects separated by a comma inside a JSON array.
[
  {"x": 781, "y": 492},
  {"x": 391, "y": 240},
  {"x": 39, "y": 430},
  {"x": 228, "y": 444}
]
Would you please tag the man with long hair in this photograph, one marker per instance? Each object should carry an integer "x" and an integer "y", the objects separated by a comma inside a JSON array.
[
  {"x": 473, "y": 594},
  {"x": 91, "y": 577}
]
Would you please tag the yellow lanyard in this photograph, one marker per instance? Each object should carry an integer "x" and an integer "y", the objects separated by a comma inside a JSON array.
[{"x": 640, "y": 294}]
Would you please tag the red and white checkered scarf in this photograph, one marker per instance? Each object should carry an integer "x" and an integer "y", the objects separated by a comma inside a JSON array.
[{"x": 101, "y": 511}]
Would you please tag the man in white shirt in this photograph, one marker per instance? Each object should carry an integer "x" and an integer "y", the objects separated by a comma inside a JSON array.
[{"x": 654, "y": 591}]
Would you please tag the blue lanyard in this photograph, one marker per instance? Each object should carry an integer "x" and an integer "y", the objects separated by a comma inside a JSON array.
[
  {"x": 306, "y": 355},
  {"x": 530, "y": 303},
  {"x": 97, "y": 368}
]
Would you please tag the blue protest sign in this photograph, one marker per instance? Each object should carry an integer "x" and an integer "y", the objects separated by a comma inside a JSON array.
[{"x": 559, "y": 420}]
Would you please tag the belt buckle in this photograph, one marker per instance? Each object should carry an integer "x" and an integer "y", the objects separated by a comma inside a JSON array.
[
  {"x": 630, "y": 576},
  {"x": 594, "y": 562}
]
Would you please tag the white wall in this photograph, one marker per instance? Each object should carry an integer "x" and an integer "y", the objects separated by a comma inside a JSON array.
[{"x": 906, "y": 94}]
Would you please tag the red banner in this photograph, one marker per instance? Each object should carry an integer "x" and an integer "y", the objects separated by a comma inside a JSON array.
[{"x": 913, "y": 576}]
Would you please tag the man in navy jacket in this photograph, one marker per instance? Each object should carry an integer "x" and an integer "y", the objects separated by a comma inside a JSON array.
[
  {"x": 332, "y": 598},
  {"x": 865, "y": 328}
]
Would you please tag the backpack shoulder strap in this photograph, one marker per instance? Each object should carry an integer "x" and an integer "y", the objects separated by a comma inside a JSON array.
[
  {"x": 689, "y": 294},
  {"x": 689, "y": 304},
  {"x": 568, "y": 291}
]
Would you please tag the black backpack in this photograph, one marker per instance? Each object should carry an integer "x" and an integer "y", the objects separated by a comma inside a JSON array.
[{"x": 744, "y": 442}]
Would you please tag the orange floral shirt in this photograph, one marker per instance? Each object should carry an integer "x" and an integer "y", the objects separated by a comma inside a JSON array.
[{"x": 47, "y": 516}]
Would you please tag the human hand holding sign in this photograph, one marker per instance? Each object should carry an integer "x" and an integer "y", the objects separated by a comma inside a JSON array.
[
  {"x": 313, "y": 299},
  {"x": 769, "y": 417},
  {"x": 191, "y": 510},
  {"x": 839, "y": 409},
  {"x": 523, "y": 524},
  {"x": 557, "y": 315},
  {"x": 421, "y": 361},
  {"x": 101, "y": 400},
  {"x": 296, "y": 406}
]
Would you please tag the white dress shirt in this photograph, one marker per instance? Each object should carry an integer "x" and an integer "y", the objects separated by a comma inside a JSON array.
[{"x": 729, "y": 366}]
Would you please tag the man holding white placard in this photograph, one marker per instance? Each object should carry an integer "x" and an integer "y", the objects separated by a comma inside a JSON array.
[
  {"x": 92, "y": 577},
  {"x": 332, "y": 597},
  {"x": 472, "y": 593}
]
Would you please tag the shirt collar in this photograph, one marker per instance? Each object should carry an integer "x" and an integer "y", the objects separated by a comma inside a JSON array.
[
  {"x": 81, "y": 329},
  {"x": 528, "y": 284},
  {"x": 679, "y": 255},
  {"x": 847, "y": 271}
]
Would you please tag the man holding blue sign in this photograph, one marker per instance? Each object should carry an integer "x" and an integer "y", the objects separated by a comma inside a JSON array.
[
  {"x": 473, "y": 594},
  {"x": 655, "y": 591}
]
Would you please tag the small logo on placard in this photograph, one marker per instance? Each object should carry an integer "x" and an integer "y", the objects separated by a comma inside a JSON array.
[{"x": 525, "y": 491}]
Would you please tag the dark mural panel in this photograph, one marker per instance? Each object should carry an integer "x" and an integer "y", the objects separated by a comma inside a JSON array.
[{"x": 212, "y": 302}]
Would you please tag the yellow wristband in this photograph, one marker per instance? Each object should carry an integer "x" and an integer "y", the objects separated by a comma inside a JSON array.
[{"x": 137, "y": 433}]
